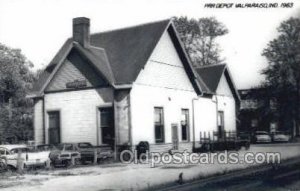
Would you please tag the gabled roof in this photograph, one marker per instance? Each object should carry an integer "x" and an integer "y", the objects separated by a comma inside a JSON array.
[
  {"x": 45, "y": 75},
  {"x": 119, "y": 55},
  {"x": 128, "y": 49},
  {"x": 212, "y": 74}
]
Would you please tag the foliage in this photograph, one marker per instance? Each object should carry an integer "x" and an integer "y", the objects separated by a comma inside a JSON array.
[
  {"x": 15, "y": 81},
  {"x": 199, "y": 38},
  {"x": 283, "y": 70}
]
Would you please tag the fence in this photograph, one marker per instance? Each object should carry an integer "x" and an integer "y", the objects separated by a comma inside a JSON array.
[{"x": 216, "y": 136}]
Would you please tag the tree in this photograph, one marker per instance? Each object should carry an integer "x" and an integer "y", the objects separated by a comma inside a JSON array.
[
  {"x": 199, "y": 39},
  {"x": 15, "y": 81},
  {"x": 283, "y": 70}
]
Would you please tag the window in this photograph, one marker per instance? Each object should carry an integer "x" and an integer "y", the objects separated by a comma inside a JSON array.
[
  {"x": 184, "y": 124},
  {"x": 68, "y": 147},
  {"x": 221, "y": 123},
  {"x": 85, "y": 145},
  {"x": 2, "y": 151},
  {"x": 107, "y": 125},
  {"x": 159, "y": 124},
  {"x": 54, "y": 127},
  {"x": 254, "y": 123}
]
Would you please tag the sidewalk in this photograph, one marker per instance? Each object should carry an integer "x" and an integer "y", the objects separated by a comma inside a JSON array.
[{"x": 129, "y": 177}]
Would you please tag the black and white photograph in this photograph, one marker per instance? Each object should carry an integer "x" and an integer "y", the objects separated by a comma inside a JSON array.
[{"x": 149, "y": 95}]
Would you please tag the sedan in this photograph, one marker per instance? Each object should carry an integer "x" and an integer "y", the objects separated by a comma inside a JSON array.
[
  {"x": 10, "y": 154},
  {"x": 262, "y": 137},
  {"x": 280, "y": 136}
]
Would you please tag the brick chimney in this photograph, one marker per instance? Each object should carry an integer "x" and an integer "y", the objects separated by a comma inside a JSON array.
[{"x": 81, "y": 31}]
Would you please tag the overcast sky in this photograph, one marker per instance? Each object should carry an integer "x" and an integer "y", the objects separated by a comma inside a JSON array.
[{"x": 40, "y": 27}]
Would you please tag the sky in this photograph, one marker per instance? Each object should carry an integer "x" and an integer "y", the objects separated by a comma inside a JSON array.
[{"x": 40, "y": 27}]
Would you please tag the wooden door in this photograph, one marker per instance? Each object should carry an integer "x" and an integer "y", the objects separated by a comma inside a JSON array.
[
  {"x": 175, "y": 136},
  {"x": 54, "y": 127}
]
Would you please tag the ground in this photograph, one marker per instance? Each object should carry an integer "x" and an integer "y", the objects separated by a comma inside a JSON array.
[{"x": 119, "y": 176}]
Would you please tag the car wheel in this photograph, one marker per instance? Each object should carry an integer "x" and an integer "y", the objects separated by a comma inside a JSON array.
[
  {"x": 247, "y": 146},
  {"x": 68, "y": 163},
  {"x": 77, "y": 161},
  {"x": 3, "y": 167}
]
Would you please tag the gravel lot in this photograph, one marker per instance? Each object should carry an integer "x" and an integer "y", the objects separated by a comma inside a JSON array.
[{"x": 119, "y": 176}]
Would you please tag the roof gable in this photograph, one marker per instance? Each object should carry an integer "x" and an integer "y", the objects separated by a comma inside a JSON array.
[
  {"x": 223, "y": 87},
  {"x": 74, "y": 69},
  {"x": 212, "y": 76},
  {"x": 128, "y": 49},
  {"x": 164, "y": 68}
]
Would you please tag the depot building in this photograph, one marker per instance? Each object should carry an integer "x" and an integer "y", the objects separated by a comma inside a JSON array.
[{"x": 130, "y": 85}]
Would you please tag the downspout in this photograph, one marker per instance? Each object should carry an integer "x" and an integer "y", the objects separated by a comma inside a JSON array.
[
  {"x": 216, "y": 102},
  {"x": 193, "y": 108},
  {"x": 44, "y": 123},
  {"x": 129, "y": 120},
  {"x": 115, "y": 125}
]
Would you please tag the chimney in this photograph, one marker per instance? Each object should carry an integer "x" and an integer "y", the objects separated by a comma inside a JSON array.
[{"x": 81, "y": 31}]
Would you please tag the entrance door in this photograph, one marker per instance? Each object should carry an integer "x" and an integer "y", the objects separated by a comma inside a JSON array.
[
  {"x": 221, "y": 128},
  {"x": 54, "y": 127},
  {"x": 107, "y": 125},
  {"x": 175, "y": 136}
]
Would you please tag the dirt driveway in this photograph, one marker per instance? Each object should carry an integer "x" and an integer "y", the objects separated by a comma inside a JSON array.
[{"x": 119, "y": 176}]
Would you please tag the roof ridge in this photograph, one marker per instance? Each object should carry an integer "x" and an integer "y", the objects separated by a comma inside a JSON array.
[{"x": 133, "y": 26}]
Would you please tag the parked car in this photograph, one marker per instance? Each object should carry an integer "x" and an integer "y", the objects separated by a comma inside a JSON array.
[
  {"x": 63, "y": 154},
  {"x": 279, "y": 136},
  {"x": 87, "y": 151},
  {"x": 262, "y": 137},
  {"x": 244, "y": 139},
  {"x": 9, "y": 153}
]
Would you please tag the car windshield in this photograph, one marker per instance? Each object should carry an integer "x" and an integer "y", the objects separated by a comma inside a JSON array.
[
  {"x": 85, "y": 145},
  {"x": 261, "y": 133},
  {"x": 60, "y": 146},
  {"x": 44, "y": 147},
  {"x": 16, "y": 150}
]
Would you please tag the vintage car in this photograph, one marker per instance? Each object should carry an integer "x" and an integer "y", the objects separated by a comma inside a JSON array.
[
  {"x": 63, "y": 154},
  {"x": 244, "y": 139},
  {"x": 10, "y": 153},
  {"x": 279, "y": 136},
  {"x": 87, "y": 151},
  {"x": 262, "y": 137}
]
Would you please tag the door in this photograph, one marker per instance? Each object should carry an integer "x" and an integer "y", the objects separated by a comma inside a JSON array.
[
  {"x": 107, "y": 125},
  {"x": 175, "y": 136},
  {"x": 54, "y": 127},
  {"x": 221, "y": 128}
]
